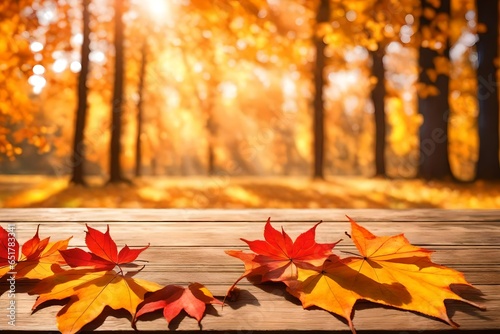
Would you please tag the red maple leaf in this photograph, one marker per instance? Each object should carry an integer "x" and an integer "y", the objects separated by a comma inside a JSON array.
[
  {"x": 173, "y": 299},
  {"x": 9, "y": 248},
  {"x": 277, "y": 257},
  {"x": 33, "y": 247},
  {"x": 103, "y": 252}
]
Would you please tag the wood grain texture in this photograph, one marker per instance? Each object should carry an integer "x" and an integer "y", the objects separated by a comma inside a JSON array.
[
  {"x": 188, "y": 245},
  {"x": 309, "y": 215}
]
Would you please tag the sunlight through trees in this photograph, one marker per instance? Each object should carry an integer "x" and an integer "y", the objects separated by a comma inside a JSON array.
[{"x": 121, "y": 89}]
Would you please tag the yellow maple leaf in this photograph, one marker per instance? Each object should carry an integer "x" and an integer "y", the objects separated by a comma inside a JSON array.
[
  {"x": 406, "y": 276},
  {"x": 47, "y": 264},
  {"x": 89, "y": 292},
  {"x": 329, "y": 289}
]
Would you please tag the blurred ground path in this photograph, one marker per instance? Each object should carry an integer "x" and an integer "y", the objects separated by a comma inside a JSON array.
[
  {"x": 23, "y": 190},
  {"x": 247, "y": 192}
]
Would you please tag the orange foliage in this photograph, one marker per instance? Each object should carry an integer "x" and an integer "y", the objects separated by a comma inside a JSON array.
[{"x": 233, "y": 78}]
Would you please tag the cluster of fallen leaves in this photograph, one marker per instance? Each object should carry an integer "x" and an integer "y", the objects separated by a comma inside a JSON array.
[
  {"x": 388, "y": 270},
  {"x": 91, "y": 280}
]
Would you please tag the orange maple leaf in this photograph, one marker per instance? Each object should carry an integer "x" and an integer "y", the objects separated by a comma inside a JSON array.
[
  {"x": 406, "y": 276},
  {"x": 89, "y": 292},
  {"x": 277, "y": 257},
  {"x": 173, "y": 299},
  {"x": 38, "y": 258}
]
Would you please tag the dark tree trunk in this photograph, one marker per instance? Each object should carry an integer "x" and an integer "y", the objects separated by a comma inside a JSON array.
[
  {"x": 322, "y": 16},
  {"x": 434, "y": 162},
  {"x": 140, "y": 107},
  {"x": 78, "y": 155},
  {"x": 378, "y": 98},
  {"x": 488, "y": 167},
  {"x": 115, "y": 170}
]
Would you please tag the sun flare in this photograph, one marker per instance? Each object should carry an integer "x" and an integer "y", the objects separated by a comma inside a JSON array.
[{"x": 160, "y": 10}]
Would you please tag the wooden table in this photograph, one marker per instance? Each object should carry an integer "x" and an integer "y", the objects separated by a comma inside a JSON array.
[{"x": 188, "y": 245}]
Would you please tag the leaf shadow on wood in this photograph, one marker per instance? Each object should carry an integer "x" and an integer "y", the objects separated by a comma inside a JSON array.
[
  {"x": 21, "y": 286},
  {"x": 452, "y": 306},
  {"x": 158, "y": 314},
  {"x": 175, "y": 323},
  {"x": 243, "y": 298},
  {"x": 362, "y": 305},
  {"x": 277, "y": 289},
  {"x": 469, "y": 293},
  {"x": 49, "y": 303}
]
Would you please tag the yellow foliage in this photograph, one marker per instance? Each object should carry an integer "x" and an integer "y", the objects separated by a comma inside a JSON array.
[
  {"x": 400, "y": 126},
  {"x": 324, "y": 29}
]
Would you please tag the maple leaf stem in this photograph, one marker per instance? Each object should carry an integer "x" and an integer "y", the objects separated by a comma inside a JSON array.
[
  {"x": 346, "y": 252},
  {"x": 348, "y": 235},
  {"x": 121, "y": 270}
]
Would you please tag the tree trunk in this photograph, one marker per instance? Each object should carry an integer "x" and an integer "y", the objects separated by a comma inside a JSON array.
[
  {"x": 488, "y": 167},
  {"x": 378, "y": 98},
  {"x": 115, "y": 171},
  {"x": 434, "y": 162},
  {"x": 78, "y": 155},
  {"x": 322, "y": 16},
  {"x": 140, "y": 112}
]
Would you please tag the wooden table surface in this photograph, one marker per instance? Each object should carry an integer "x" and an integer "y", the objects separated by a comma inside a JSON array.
[{"x": 188, "y": 245}]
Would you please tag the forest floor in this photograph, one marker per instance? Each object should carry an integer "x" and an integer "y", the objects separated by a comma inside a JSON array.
[{"x": 248, "y": 192}]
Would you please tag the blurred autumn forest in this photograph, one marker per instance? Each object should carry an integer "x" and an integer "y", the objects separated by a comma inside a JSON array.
[{"x": 266, "y": 93}]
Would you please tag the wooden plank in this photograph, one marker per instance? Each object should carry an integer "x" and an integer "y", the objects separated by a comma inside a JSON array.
[
  {"x": 266, "y": 307},
  {"x": 228, "y": 234},
  {"x": 255, "y": 215},
  {"x": 189, "y": 245}
]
